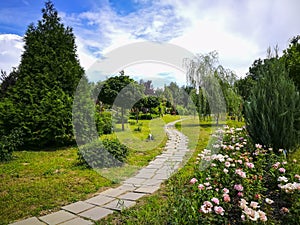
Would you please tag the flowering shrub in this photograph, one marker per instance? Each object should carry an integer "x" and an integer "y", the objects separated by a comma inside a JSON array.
[{"x": 237, "y": 182}]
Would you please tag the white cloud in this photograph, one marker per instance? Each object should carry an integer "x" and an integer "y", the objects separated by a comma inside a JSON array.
[
  {"x": 240, "y": 31},
  {"x": 159, "y": 73},
  {"x": 11, "y": 47}
]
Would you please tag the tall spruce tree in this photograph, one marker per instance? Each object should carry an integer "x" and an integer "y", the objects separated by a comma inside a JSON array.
[
  {"x": 272, "y": 112},
  {"x": 48, "y": 75}
]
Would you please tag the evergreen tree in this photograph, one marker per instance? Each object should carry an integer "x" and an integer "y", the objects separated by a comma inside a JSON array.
[
  {"x": 291, "y": 56},
  {"x": 272, "y": 113},
  {"x": 42, "y": 96}
]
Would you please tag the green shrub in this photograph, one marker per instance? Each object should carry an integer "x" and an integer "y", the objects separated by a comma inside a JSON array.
[
  {"x": 131, "y": 122},
  {"x": 139, "y": 127},
  {"x": 103, "y": 154},
  {"x": 104, "y": 123},
  {"x": 273, "y": 111},
  {"x": 9, "y": 143}
]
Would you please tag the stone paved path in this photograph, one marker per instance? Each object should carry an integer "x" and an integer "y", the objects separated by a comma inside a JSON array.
[{"x": 145, "y": 182}]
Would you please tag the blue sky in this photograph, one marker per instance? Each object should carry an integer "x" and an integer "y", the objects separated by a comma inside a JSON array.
[{"x": 240, "y": 31}]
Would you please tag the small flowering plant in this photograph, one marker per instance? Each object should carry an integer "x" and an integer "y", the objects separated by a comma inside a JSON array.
[{"x": 236, "y": 180}]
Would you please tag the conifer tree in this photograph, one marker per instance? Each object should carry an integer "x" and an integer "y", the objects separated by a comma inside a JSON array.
[
  {"x": 48, "y": 75},
  {"x": 272, "y": 113}
]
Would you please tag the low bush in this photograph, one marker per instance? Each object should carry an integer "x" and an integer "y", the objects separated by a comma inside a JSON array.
[
  {"x": 10, "y": 143},
  {"x": 103, "y": 154},
  {"x": 104, "y": 123},
  {"x": 139, "y": 127},
  {"x": 145, "y": 117},
  {"x": 131, "y": 122}
]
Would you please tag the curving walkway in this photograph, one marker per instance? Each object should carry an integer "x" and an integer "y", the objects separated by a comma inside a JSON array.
[{"x": 147, "y": 181}]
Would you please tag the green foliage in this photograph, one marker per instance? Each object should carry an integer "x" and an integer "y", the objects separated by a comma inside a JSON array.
[
  {"x": 84, "y": 114},
  {"x": 272, "y": 113},
  {"x": 291, "y": 57},
  {"x": 146, "y": 116},
  {"x": 104, "y": 122},
  {"x": 103, "y": 154},
  {"x": 40, "y": 100},
  {"x": 120, "y": 91},
  {"x": 139, "y": 127},
  {"x": 7, "y": 82},
  {"x": 10, "y": 143}
]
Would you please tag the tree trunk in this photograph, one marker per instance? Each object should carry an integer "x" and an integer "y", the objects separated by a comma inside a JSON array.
[
  {"x": 122, "y": 118},
  {"x": 137, "y": 116}
]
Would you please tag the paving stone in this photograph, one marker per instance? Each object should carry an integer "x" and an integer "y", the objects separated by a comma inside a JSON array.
[
  {"x": 96, "y": 213},
  {"x": 99, "y": 200},
  {"x": 164, "y": 155},
  {"x": 176, "y": 159},
  {"x": 77, "y": 221},
  {"x": 158, "y": 161},
  {"x": 78, "y": 207},
  {"x": 145, "y": 175},
  {"x": 113, "y": 192},
  {"x": 148, "y": 170},
  {"x": 153, "y": 166},
  {"x": 127, "y": 187},
  {"x": 135, "y": 181},
  {"x": 29, "y": 221},
  {"x": 120, "y": 204},
  {"x": 161, "y": 176},
  {"x": 132, "y": 196},
  {"x": 57, "y": 217},
  {"x": 180, "y": 153},
  {"x": 147, "y": 189},
  {"x": 152, "y": 182}
]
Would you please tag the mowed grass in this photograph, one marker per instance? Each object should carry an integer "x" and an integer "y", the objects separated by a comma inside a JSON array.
[{"x": 35, "y": 183}]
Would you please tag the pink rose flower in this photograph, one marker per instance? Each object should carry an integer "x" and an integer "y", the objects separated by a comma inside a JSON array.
[
  {"x": 193, "y": 180},
  {"x": 240, "y": 194},
  {"x": 281, "y": 170},
  {"x": 254, "y": 205},
  {"x": 243, "y": 217},
  {"x": 284, "y": 210},
  {"x": 215, "y": 200},
  {"x": 250, "y": 165},
  {"x": 201, "y": 187},
  {"x": 225, "y": 190},
  {"x": 219, "y": 210},
  {"x": 238, "y": 187},
  {"x": 262, "y": 216},
  {"x": 226, "y": 198},
  {"x": 276, "y": 165},
  {"x": 206, "y": 207},
  {"x": 227, "y": 164}
]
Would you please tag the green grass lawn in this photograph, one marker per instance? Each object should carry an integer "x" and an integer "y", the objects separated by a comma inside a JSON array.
[{"x": 35, "y": 183}]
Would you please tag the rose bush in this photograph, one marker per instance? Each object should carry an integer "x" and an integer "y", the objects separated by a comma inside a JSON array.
[{"x": 238, "y": 182}]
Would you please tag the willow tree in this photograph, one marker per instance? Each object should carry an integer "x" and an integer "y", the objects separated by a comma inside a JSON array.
[{"x": 203, "y": 74}]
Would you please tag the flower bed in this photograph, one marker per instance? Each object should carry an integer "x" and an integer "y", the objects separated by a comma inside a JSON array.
[{"x": 237, "y": 182}]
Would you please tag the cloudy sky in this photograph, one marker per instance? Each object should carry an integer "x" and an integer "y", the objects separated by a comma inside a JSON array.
[{"x": 239, "y": 30}]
